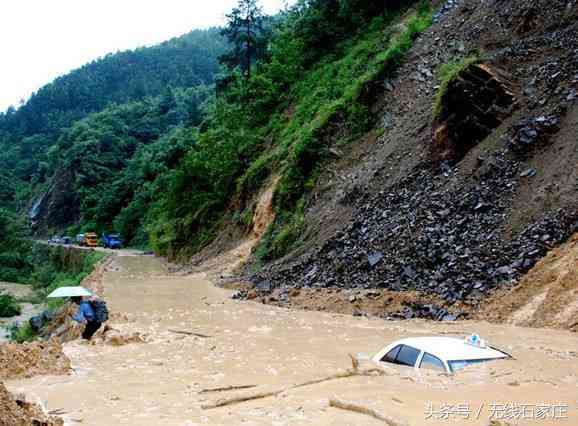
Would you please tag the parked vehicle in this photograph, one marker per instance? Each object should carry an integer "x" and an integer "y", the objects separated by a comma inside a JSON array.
[
  {"x": 80, "y": 239},
  {"x": 90, "y": 239},
  {"x": 112, "y": 241},
  {"x": 66, "y": 241},
  {"x": 54, "y": 240},
  {"x": 447, "y": 354}
]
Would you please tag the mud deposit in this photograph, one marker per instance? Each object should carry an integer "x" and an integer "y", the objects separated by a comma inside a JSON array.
[
  {"x": 546, "y": 297},
  {"x": 15, "y": 411},
  {"x": 32, "y": 359},
  {"x": 198, "y": 341}
]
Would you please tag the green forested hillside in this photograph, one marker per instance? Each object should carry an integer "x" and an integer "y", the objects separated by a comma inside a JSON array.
[
  {"x": 186, "y": 61},
  {"x": 27, "y": 134},
  {"x": 120, "y": 157},
  {"x": 146, "y": 147},
  {"x": 321, "y": 62}
]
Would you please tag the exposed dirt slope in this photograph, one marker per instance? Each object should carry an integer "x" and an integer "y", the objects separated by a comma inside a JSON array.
[
  {"x": 391, "y": 215},
  {"x": 546, "y": 297},
  {"x": 19, "y": 412},
  {"x": 232, "y": 249}
]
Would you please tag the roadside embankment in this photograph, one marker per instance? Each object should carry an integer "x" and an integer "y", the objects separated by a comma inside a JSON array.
[{"x": 17, "y": 411}]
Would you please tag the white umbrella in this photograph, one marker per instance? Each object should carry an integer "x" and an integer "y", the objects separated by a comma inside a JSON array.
[{"x": 69, "y": 292}]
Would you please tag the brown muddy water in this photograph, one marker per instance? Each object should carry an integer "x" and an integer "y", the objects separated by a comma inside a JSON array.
[{"x": 161, "y": 382}]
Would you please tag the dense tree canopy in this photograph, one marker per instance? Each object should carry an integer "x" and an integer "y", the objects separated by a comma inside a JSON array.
[
  {"x": 27, "y": 134},
  {"x": 151, "y": 152}
]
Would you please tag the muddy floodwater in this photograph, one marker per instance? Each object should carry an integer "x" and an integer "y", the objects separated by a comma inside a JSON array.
[{"x": 168, "y": 379}]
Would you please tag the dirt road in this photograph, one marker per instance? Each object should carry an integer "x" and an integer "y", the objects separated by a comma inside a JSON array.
[{"x": 161, "y": 382}]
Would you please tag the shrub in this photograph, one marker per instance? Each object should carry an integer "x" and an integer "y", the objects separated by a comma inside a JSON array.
[
  {"x": 8, "y": 306},
  {"x": 22, "y": 334}
]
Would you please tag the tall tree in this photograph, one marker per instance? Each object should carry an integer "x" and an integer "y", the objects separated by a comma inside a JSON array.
[{"x": 245, "y": 31}]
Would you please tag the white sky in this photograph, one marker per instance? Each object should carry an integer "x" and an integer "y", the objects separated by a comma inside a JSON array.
[{"x": 42, "y": 39}]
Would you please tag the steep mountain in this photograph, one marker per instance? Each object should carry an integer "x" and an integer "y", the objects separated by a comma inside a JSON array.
[
  {"x": 186, "y": 61},
  {"x": 418, "y": 164},
  {"x": 466, "y": 178},
  {"x": 412, "y": 157},
  {"x": 108, "y": 165}
]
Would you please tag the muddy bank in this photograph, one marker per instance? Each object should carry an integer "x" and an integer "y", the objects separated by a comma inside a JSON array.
[
  {"x": 32, "y": 359},
  {"x": 16, "y": 411},
  {"x": 380, "y": 303}
]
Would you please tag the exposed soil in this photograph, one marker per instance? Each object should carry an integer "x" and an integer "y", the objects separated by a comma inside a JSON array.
[
  {"x": 16, "y": 411},
  {"x": 546, "y": 297},
  {"x": 398, "y": 222},
  {"x": 376, "y": 303},
  {"x": 32, "y": 359},
  {"x": 231, "y": 250}
]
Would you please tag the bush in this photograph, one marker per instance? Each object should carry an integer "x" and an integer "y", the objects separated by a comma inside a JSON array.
[
  {"x": 22, "y": 334},
  {"x": 8, "y": 306}
]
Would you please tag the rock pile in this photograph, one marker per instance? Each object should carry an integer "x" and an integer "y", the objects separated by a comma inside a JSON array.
[
  {"x": 433, "y": 233},
  {"x": 459, "y": 234},
  {"x": 530, "y": 131}
]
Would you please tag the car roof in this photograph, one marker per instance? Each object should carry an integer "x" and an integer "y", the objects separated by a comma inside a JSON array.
[{"x": 450, "y": 348}]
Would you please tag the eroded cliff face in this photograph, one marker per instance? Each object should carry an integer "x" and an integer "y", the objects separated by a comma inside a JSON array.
[
  {"x": 58, "y": 207},
  {"x": 461, "y": 204}
]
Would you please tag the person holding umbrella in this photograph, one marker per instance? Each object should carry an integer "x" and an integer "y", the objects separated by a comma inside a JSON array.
[
  {"x": 86, "y": 315},
  {"x": 91, "y": 313}
]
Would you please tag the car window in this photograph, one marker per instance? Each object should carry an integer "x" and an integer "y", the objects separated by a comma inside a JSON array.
[
  {"x": 390, "y": 356},
  {"x": 458, "y": 365},
  {"x": 430, "y": 362},
  {"x": 407, "y": 356}
]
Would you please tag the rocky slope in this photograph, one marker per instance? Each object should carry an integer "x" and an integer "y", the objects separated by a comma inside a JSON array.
[
  {"x": 546, "y": 297},
  {"x": 460, "y": 205}
]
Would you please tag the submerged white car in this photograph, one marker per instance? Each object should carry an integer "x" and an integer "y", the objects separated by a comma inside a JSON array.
[{"x": 447, "y": 354}]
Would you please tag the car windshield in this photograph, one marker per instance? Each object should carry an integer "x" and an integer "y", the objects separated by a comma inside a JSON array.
[{"x": 459, "y": 364}]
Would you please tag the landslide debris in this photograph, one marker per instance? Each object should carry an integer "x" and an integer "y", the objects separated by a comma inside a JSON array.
[
  {"x": 471, "y": 105},
  {"x": 500, "y": 191},
  {"x": 16, "y": 411},
  {"x": 546, "y": 297},
  {"x": 32, "y": 359}
]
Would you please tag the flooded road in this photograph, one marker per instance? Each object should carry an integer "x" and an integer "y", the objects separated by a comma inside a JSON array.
[{"x": 165, "y": 380}]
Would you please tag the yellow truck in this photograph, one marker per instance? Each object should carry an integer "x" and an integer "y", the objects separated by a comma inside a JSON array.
[{"x": 90, "y": 239}]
